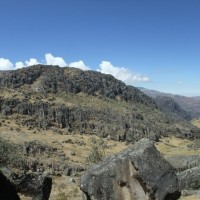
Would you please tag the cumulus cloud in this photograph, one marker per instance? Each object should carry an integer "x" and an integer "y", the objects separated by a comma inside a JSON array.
[
  {"x": 19, "y": 65},
  {"x": 105, "y": 67},
  {"x": 79, "y": 64},
  {"x": 51, "y": 60},
  {"x": 5, "y": 64},
  {"x": 121, "y": 73},
  {"x": 31, "y": 62}
]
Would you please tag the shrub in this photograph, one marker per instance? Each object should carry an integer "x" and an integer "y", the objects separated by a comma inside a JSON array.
[
  {"x": 97, "y": 152},
  {"x": 9, "y": 154}
]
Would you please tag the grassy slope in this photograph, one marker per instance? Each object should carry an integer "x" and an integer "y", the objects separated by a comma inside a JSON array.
[
  {"x": 63, "y": 188},
  {"x": 196, "y": 122}
]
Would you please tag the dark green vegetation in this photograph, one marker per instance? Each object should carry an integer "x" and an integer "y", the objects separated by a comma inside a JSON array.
[{"x": 85, "y": 102}]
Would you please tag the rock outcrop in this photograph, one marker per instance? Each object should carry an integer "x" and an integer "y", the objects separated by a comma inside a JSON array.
[
  {"x": 172, "y": 108},
  {"x": 183, "y": 162},
  {"x": 7, "y": 190},
  {"x": 55, "y": 79},
  {"x": 189, "y": 104},
  {"x": 73, "y": 100},
  {"x": 138, "y": 173},
  {"x": 35, "y": 185},
  {"x": 189, "y": 179}
]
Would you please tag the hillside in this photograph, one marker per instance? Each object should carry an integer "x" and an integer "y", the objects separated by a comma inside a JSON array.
[
  {"x": 190, "y": 104},
  {"x": 76, "y": 101},
  {"x": 51, "y": 117},
  {"x": 172, "y": 108}
]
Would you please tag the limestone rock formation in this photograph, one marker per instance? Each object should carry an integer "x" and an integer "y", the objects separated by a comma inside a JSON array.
[
  {"x": 138, "y": 173},
  {"x": 190, "y": 179},
  {"x": 71, "y": 100},
  {"x": 183, "y": 162}
]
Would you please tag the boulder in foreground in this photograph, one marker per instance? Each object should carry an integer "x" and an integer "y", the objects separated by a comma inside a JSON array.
[
  {"x": 138, "y": 173},
  {"x": 7, "y": 190},
  {"x": 35, "y": 185}
]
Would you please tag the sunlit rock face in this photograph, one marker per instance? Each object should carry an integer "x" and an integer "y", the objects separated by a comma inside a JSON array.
[{"x": 138, "y": 173}]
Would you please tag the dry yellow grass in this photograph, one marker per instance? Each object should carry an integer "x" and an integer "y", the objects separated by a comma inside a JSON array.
[
  {"x": 49, "y": 137},
  {"x": 196, "y": 122},
  {"x": 176, "y": 146},
  {"x": 191, "y": 197},
  {"x": 171, "y": 146},
  {"x": 62, "y": 188}
]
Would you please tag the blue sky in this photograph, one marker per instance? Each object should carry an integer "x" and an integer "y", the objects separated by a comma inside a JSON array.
[{"x": 148, "y": 43}]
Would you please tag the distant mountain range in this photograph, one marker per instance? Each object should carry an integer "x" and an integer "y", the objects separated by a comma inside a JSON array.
[{"x": 182, "y": 106}]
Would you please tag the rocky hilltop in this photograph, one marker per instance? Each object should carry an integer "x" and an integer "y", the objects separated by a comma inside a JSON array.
[{"x": 85, "y": 102}]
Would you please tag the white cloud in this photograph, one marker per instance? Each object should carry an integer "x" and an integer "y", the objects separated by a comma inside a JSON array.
[
  {"x": 31, "y": 62},
  {"x": 105, "y": 67},
  {"x": 19, "y": 65},
  {"x": 51, "y": 60},
  {"x": 5, "y": 64},
  {"x": 121, "y": 73},
  {"x": 79, "y": 64}
]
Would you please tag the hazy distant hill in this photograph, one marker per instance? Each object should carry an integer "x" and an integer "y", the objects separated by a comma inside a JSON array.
[
  {"x": 190, "y": 104},
  {"x": 86, "y": 102},
  {"x": 172, "y": 108}
]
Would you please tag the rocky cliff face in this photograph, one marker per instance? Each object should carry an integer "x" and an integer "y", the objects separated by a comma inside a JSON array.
[
  {"x": 85, "y": 102},
  {"x": 138, "y": 173},
  {"x": 54, "y": 79},
  {"x": 189, "y": 104},
  {"x": 172, "y": 108}
]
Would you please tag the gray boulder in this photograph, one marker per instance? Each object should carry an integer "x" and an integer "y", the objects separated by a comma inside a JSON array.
[
  {"x": 189, "y": 179},
  {"x": 138, "y": 173},
  {"x": 35, "y": 185},
  {"x": 184, "y": 162},
  {"x": 7, "y": 190}
]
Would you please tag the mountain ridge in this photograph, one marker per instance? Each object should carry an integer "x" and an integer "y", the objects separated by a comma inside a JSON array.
[
  {"x": 85, "y": 102},
  {"x": 190, "y": 104}
]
